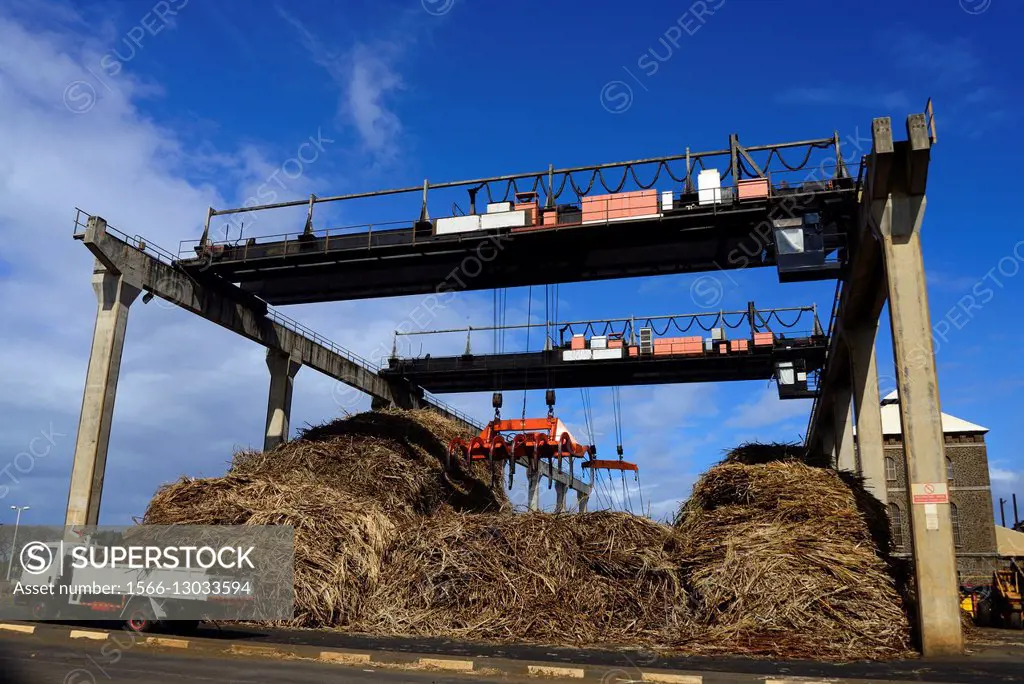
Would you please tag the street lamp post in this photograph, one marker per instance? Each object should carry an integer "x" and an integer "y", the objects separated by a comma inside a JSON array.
[{"x": 14, "y": 539}]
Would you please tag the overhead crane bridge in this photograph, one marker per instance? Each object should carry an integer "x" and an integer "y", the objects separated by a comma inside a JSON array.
[
  {"x": 695, "y": 221},
  {"x": 800, "y": 207},
  {"x": 787, "y": 345}
]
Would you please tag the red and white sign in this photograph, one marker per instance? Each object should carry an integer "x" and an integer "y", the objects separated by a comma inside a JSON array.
[{"x": 929, "y": 493}]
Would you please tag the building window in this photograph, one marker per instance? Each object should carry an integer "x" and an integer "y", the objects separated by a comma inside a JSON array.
[
  {"x": 954, "y": 516},
  {"x": 949, "y": 469},
  {"x": 890, "y": 469},
  {"x": 896, "y": 524}
]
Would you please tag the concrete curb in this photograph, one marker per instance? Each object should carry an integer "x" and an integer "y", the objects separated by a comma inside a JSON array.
[{"x": 44, "y": 633}]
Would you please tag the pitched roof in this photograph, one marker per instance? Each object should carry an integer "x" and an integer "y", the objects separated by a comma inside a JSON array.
[
  {"x": 1009, "y": 543},
  {"x": 891, "y": 419}
]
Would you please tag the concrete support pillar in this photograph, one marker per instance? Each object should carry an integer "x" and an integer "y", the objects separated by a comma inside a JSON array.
[
  {"x": 560, "y": 488},
  {"x": 867, "y": 407},
  {"x": 582, "y": 499},
  {"x": 114, "y": 296},
  {"x": 842, "y": 414},
  {"x": 533, "y": 498},
  {"x": 899, "y": 220},
  {"x": 279, "y": 402},
  {"x": 828, "y": 442}
]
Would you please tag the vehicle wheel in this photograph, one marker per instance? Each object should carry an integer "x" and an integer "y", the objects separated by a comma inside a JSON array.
[
  {"x": 41, "y": 609},
  {"x": 141, "y": 618},
  {"x": 1014, "y": 621},
  {"x": 983, "y": 616}
]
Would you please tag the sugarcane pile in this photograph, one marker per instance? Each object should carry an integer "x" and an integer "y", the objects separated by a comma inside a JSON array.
[
  {"x": 776, "y": 559},
  {"x": 346, "y": 487},
  {"x": 782, "y": 561},
  {"x": 596, "y": 578}
]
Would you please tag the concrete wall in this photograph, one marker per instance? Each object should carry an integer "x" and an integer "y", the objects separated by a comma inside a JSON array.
[{"x": 969, "y": 491}]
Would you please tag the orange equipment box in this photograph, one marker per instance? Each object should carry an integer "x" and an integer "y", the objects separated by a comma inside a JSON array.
[
  {"x": 578, "y": 342},
  {"x": 752, "y": 188},
  {"x": 739, "y": 345},
  {"x": 763, "y": 339},
  {"x": 532, "y": 209},
  {"x": 619, "y": 206}
]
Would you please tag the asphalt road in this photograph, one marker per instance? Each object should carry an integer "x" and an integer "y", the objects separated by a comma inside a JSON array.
[
  {"x": 998, "y": 656},
  {"x": 32, "y": 663}
]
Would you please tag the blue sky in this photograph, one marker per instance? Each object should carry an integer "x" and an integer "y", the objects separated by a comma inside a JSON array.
[{"x": 147, "y": 113}]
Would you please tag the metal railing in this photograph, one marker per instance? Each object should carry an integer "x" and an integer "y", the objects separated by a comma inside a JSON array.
[
  {"x": 625, "y": 328},
  {"x": 192, "y": 249},
  {"x": 739, "y": 163},
  {"x": 792, "y": 184},
  {"x": 833, "y": 316},
  {"x": 155, "y": 252}
]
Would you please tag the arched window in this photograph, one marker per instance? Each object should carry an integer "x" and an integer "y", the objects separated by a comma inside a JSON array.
[
  {"x": 896, "y": 524},
  {"x": 890, "y": 469},
  {"x": 954, "y": 516},
  {"x": 949, "y": 469}
]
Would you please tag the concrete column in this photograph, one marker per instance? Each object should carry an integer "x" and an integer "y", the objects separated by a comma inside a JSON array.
[
  {"x": 842, "y": 415},
  {"x": 533, "y": 498},
  {"x": 113, "y": 296},
  {"x": 582, "y": 499},
  {"x": 899, "y": 220},
  {"x": 828, "y": 442},
  {"x": 279, "y": 402},
  {"x": 867, "y": 407},
  {"x": 560, "y": 497}
]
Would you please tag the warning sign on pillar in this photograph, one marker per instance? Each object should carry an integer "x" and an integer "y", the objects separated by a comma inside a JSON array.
[{"x": 929, "y": 493}]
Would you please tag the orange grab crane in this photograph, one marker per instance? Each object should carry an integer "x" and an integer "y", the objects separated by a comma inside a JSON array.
[
  {"x": 529, "y": 440},
  {"x": 526, "y": 439}
]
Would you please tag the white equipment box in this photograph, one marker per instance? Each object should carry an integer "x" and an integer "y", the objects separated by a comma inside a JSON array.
[
  {"x": 457, "y": 224},
  {"x": 709, "y": 187},
  {"x": 667, "y": 200},
  {"x": 504, "y": 219}
]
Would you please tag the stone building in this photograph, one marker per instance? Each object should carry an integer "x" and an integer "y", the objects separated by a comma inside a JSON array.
[{"x": 970, "y": 492}]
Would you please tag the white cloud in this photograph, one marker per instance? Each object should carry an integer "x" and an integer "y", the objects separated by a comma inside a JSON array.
[
  {"x": 188, "y": 390},
  {"x": 367, "y": 77},
  {"x": 372, "y": 79},
  {"x": 767, "y": 411},
  {"x": 1001, "y": 475}
]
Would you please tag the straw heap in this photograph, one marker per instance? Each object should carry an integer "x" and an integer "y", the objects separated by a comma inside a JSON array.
[
  {"x": 783, "y": 563},
  {"x": 773, "y": 559}
]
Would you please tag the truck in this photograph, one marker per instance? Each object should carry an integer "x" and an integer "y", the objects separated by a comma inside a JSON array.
[{"x": 143, "y": 599}]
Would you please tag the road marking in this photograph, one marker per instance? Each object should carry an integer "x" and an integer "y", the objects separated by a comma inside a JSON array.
[
  {"x": 447, "y": 664},
  {"x": 86, "y": 634},
  {"x": 663, "y": 678},
  {"x": 167, "y": 641},
  {"x": 246, "y": 649},
  {"x": 551, "y": 671},
  {"x": 24, "y": 629},
  {"x": 344, "y": 658}
]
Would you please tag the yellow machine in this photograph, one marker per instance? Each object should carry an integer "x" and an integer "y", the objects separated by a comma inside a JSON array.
[{"x": 1003, "y": 606}]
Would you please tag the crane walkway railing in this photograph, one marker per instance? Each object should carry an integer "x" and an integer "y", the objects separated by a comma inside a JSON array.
[{"x": 159, "y": 254}]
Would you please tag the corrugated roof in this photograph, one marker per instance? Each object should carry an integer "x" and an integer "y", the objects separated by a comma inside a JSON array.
[{"x": 891, "y": 424}]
